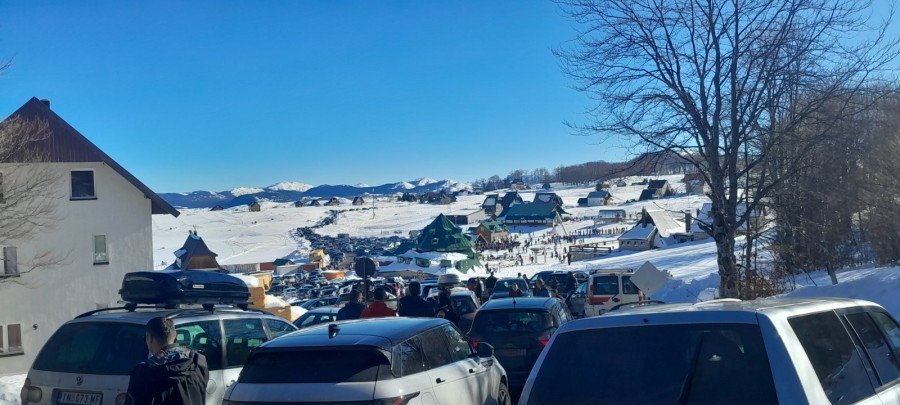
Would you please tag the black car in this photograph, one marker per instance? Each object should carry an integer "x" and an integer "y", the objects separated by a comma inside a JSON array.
[
  {"x": 557, "y": 280},
  {"x": 504, "y": 285},
  {"x": 518, "y": 330},
  {"x": 316, "y": 316}
]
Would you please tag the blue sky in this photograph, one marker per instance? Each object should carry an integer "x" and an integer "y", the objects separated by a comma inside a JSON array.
[{"x": 214, "y": 95}]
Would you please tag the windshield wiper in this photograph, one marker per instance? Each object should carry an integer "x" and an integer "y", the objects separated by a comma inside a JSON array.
[{"x": 684, "y": 393}]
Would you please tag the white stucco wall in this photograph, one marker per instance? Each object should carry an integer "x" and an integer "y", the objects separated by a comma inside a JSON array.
[{"x": 42, "y": 300}]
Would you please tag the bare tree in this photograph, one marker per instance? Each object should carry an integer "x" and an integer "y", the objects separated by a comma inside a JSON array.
[
  {"x": 720, "y": 83},
  {"x": 28, "y": 189}
]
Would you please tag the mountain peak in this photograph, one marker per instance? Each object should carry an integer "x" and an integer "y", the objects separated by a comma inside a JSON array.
[{"x": 290, "y": 186}]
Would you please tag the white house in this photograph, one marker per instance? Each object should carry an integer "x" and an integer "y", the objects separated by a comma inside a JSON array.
[
  {"x": 655, "y": 229},
  {"x": 101, "y": 229}
]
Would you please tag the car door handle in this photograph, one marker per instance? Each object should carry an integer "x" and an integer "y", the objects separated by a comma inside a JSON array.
[{"x": 439, "y": 380}]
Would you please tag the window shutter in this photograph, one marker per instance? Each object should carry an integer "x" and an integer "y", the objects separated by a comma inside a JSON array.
[
  {"x": 10, "y": 264},
  {"x": 14, "y": 343}
]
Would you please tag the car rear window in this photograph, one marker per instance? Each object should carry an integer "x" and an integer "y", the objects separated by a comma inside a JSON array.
[
  {"x": 514, "y": 321},
  {"x": 315, "y": 366},
  {"x": 106, "y": 348},
  {"x": 505, "y": 285},
  {"x": 606, "y": 285},
  {"x": 664, "y": 364}
]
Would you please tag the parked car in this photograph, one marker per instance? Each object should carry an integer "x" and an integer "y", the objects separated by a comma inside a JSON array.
[
  {"x": 316, "y": 316},
  {"x": 88, "y": 359},
  {"x": 503, "y": 286},
  {"x": 629, "y": 305},
  {"x": 320, "y": 302},
  {"x": 577, "y": 299},
  {"x": 608, "y": 288},
  {"x": 518, "y": 330},
  {"x": 427, "y": 286},
  {"x": 551, "y": 278},
  {"x": 818, "y": 350},
  {"x": 381, "y": 361}
]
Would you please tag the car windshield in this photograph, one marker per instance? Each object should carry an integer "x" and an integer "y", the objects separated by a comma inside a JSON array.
[
  {"x": 511, "y": 321},
  {"x": 315, "y": 366},
  {"x": 108, "y": 348},
  {"x": 667, "y": 364},
  {"x": 504, "y": 285},
  {"x": 606, "y": 285},
  {"x": 463, "y": 304}
]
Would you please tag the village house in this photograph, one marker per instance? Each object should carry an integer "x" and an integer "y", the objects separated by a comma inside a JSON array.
[
  {"x": 656, "y": 189},
  {"x": 100, "y": 229},
  {"x": 491, "y": 205},
  {"x": 440, "y": 248},
  {"x": 299, "y": 204},
  {"x": 333, "y": 201},
  {"x": 655, "y": 229},
  {"x": 609, "y": 216},
  {"x": 694, "y": 184},
  {"x": 314, "y": 203},
  {"x": 466, "y": 217},
  {"x": 596, "y": 199},
  {"x": 491, "y": 232},
  {"x": 509, "y": 199},
  {"x": 217, "y": 208},
  {"x": 701, "y": 225},
  {"x": 621, "y": 183},
  {"x": 254, "y": 206},
  {"x": 534, "y": 214},
  {"x": 194, "y": 255},
  {"x": 358, "y": 200},
  {"x": 548, "y": 198},
  {"x": 408, "y": 197}
]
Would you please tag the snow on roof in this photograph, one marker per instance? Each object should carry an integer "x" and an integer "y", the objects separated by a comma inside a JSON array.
[
  {"x": 638, "y": 232},
  {"x": 665, "y": 223}
]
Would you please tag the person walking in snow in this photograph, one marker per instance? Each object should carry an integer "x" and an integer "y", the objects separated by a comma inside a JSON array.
[{"x": 172, "y": 374}]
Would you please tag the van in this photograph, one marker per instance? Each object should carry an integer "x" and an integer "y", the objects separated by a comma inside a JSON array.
[{"x": 609, "y": 288}]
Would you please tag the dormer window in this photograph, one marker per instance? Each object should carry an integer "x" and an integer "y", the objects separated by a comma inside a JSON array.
[{"x": 83, "y": 185}]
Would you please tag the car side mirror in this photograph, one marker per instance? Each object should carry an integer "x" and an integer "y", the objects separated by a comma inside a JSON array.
[{"x": 484, "y": 350}]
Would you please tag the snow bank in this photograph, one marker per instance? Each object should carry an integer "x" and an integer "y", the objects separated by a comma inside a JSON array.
[
  {"x": 10, "y": 387},
  {"x": 877, "y": 284}
]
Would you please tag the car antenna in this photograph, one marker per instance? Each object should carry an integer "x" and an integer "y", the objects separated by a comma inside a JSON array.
[{"x": 333, "y": 330}]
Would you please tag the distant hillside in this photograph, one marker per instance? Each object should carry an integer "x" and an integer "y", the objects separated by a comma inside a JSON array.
[{"x": 294, "y": 191}]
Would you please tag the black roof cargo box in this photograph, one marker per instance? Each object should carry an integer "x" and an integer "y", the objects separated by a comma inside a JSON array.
[{"x": 173, "y": 287}]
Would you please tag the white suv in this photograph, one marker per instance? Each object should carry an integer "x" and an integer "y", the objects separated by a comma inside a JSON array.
[
  {"x": 380, "y": 361},
  {"x": 788, "y": 351},
  {"x": 88, "y": 360},
  {"x": 609, "y": 288}
]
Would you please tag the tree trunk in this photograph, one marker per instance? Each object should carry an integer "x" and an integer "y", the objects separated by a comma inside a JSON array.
[{"x": 730, "y": 277}]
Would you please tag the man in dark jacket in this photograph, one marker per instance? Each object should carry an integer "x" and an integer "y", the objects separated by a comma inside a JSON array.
[
  {"x": 489, "y": 283},
  {"x": 172, "y": 374},
  {"x": 413, "y": 304},
  {"x": 353, "y": 308}
]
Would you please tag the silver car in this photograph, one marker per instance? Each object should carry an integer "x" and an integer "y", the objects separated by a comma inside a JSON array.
[{"x": 87, "y": 361}]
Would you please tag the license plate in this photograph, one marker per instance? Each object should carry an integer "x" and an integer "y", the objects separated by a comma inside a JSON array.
[{"x": 78, "y": 398}]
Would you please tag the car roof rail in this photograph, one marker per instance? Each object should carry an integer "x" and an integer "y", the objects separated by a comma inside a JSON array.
[
  {"x": 718, "y": 301},
  {"x": 127, "y": 307}
]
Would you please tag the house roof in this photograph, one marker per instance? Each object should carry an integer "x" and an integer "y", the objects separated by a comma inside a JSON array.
[
  {"x": 442, "y": 236},
  {"x": 545, "y": 197},
  {"x": 599, "y": 194},
  {"x": 657, "y": 183},
  {"x": 193, "y": 246},
  {"x": 494, "y": 226},
  {"x": 531, "y": 211},
  {"x": 65, "y": 144},
  {"x": 647, "y": 194},
  {"x": 509, "y": 198}
]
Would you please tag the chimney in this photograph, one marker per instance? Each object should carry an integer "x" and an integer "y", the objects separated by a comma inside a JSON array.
[
  {"x": 46, "y": 102},
  {"x": 687, "y": 221}
]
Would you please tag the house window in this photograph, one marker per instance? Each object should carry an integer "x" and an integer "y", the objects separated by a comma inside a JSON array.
[
  {"x": 101, "y": 256},
  {"x": 11, "y": 340},
  {"x": 10, "y": 263},
  {"x": 83, "y": 185}
]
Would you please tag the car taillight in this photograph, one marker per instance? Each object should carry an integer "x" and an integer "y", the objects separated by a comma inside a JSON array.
[
  {"x": 30, "y": 394},
  {"x": 401, "y": 400},
  {"x": 474, "y": 343},
  {"x": 544, "y": 341},
  {"x": 120, "y": 399},
  {"x": 640, "y": 296}
]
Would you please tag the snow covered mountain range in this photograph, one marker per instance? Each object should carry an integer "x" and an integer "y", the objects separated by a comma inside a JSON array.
[{"x": 288, "y": 191}]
